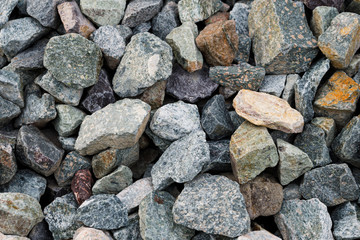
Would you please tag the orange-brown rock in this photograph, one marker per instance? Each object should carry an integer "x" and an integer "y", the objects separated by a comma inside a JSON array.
[
  {"x": 267, "y": 110},
  {"x": 219, "y": 42},
  {"x": 217, "y": 17},
  {"x": 81, "y": 185}
]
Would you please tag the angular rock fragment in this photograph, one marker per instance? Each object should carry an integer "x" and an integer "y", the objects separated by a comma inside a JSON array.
[
  {"x": 8, "y": 111},
  {"x": 67, "y": 143},
  {"x": 292, "y": 191},
  {"x": 81, "y": 185},
  {"x": 289, "y": 89},
  {"x": 219, "y": 157},
  {"x": 329, "y": 127},
  {"x": 6, "y": 7},
  {"x": 142, "y": 27},
  {"x": 140, "y": 11},
  {"x": 131, "y": 231},
  {"x": 197, "y": 10},
  {"x": 226, "y": 92},
  {"x": 68, "y": 119},
  {"x": 321, "y": 19},
  {"x": 346, "y": 221},
  {"x": 127, "y": 123},
  {"x": 240, "y": 13},
  {"x": 166, "y": 20},
  {"x": 315, "y": 3},
  {"x": 354, "y": 66},
  {"x": 154, "y": 95},
  {"x": 91, "y": 234},
  {"x": 44, "y": 11},
  {"x": 11, "y": 87},
  {"x": 258, "y": 235},
  {"x": 8, "y": 166},
  {"x": 125, "y": 32},
  {"x": 273, "y": 84}
]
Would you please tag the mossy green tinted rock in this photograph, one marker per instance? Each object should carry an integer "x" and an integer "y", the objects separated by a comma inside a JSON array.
[
  {"x": 114, "y": 182},
  {"x": 321, "y": 19},
  {"x": 197, "y": 10},
  {"x": 73, "y": 60},
  {"x": 68, "y": 119}
]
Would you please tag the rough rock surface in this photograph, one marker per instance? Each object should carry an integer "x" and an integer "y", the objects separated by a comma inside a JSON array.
[
  {"x": 44, "y": 11},
  {"x": 258, "y": 235},
  {"x": 68, "y": 119},
  {"x": 219, "y": 157},
  {"x": 197, "y": 10},
  {"x": 8, "y": 166},
  {"x": 114, "y": 182},
  {"x": 346, "y": 221},
  {"x": 321, "y": 19},
  {"x": 166, "y": 20},
  {"x": 140, "y": 11},
  {"x": 11, "y": 87},
  {"x": 131, "y": 231},
  {"x": 81, "y": 185},
  {"x": 154, "y": 95},
  {"x": 273, "y": 84},
  {"x": 329, "y": 127},
  {"x": 91, "y": 234},
  {"x": 6, "y": 6}
]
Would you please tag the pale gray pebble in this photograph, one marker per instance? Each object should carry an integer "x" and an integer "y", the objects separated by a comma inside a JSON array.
[{"x": 273, "y": 84}]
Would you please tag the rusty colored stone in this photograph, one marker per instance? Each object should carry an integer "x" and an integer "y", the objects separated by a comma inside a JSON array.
[
  {"x": 154, "y": 95},
  {"x": 219, "y": 42},
  {"x": 74, "y": 21},
  {"x": 266, "y": 110},
  {"x": 217, "y": 17},
  {"x": 81, "y": 185}
]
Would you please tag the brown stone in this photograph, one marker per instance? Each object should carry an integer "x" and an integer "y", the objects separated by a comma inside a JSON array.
[
  {"x": 154, "y": 95},
  {"x": 269, "y": 111},
  {"x": 217, "y": 17},
  {"x": 74, "y": 21},
  {"x": 219, "y": 42},
  {"x": 81, "y": 185}
]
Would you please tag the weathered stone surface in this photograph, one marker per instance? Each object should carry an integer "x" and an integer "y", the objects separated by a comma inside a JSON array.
[
  {"x": 337, "y": 98},
  {"x": 219, "y": 43},
  {"x": 251, "y": 151},
  {"x": 68, "y": 119},
  {"x": 273, "y": 84},
  {"x": 292, "y": 162},
  {"x": 60, "y": 215},
  {"x": 53, "y": 190},
  {"x": 18, "y": 34},
  {"x": 69, "y": 166},
  {"x": 111, "y": 43},
  {"x": 122, "y": 130},
  {"x": 11, "y": 87},
  {"x": 81, "y": 185},
  {"x": 258, "y": 235},
  {"x": 219, "y": 16},
  {"x": 6, "y": 7},
  {"x": 73, "y": 20},
  {"x": 269, "y": 111},
  {"x": 321, "y": 19},
  {"x": 44, "y": 11},
  {"x": 243, "y": 53},
  {"x": 333, "y": 184},
  {"x": 354, "y": 66},
  {"x": 147, "y": 60},
  {"x": 197, "y": 10},
  {"x": 154, "y": 95},
  {"x": 219, "y": 157},
  {"x": 215, "y": 119},
  {"x": 36, "y": 151},
  {"x": 312, "y": 142},
  {"x": 305, "y": 88},
  {"x": 240, "y": 13},
  {"x": 182, "y": 42},
  {"x": 8, "y": 111},
  {"x": 242, "y": 76},
  {"x": 131, "y": 231},
  {"x": 166, "y": 20},
  {"x": 20, "y": 213},
  {"x": 190, "y": 87},
  {"x": 27, "y": 182},
  {"x": 125, "y": 32},
  {"x": 93, "y": 214},
  {"x": 292, "y": 191},
  {"x": 8, "y": 166},
  {"x": 91, "y": 234},
  {"x": 73, "y": 60},
  {"x": 329, "y": 127},
  {"x": 202, "y": 205},
  {"x": 181, "y": 161},
  {"x": 297, "y": 218},
  {"x": 289, "y": 89},
  {"x": 104, "y": 12},
  {"x": 346, "y": 221},
  {"x": 140, "y": 11},
  {"x": 236, "y": 119},
  {"x": 67, "y": 143},
  {"x": 315, "y": 3},
  {"x": 281, "y": 26},
  {"x": 142, "y": 27}
]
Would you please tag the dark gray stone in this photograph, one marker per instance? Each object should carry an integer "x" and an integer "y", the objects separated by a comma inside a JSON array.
[
  {"x": 6, "y": 7},
  {"x": 244, "y": 48},
  {"x": 131, "y": 231},
  {"x": 8, "y": 166},
  {"x": 346, "y": 221},
  {"x": 315, "y": 3},
  {"x": 11, "y": 87},
  {"x": 44, "y": 11},
  {"x": 67, "y": 143},
  {"x": 236, "y": 119},
  {"x": 3, "y": 61},
  {"x": 40, "y": 232},
  {"x": 219, "y": 157},
  {"x": 289, "y": 89},
  {"x": 161, "y": 143},
  {"x": 329, "y": 127},
  {"x": 142, "y": 27},
  {"x": 292, "y": 191},
  {"x": 8, "y": 137},
  {"x": 166, "y": 20},
  {"x": 139, "y": 11},
  {"x": 8, "y": 111},
  {"x": 114, "y": 182},
  {"x": 273, "y": 84},
  {"x": 196, "y": 11}
]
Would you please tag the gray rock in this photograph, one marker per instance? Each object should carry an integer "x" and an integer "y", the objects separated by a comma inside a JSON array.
[
  {"x": 8, "y": 137},
  {"x": 166, "y": 20},
  {"x": 240, "y": 13},
  {"x": 329, "y": 127},
  {"x": 147, "y": 60},
  {"x": 333, "y": 184},
  {"x": 93, "y": 214},
  {"x": 131, "y": 231},
  {"x": 40, "y": 232},
  {"x": 204, "y": 236},
  {"x": 111, "y": 43},
  {"x": 11, "y": 87},
  {"x": 321, "y": 19},
  {"x": 156, "y": 218},
  {"x": 273, "y": 84},
  {"x": 219, "y": 157},
  {"x": 159, "y": 142},
  {"x": 73, "y": 60},
  {"x": 139, "y": 11},
  {"x": 354, "y": 66},
  {"x": 68, "y": 119},
  {"x": 297, "y": 218},
  {"x": 8, "y": 166},
  {"x": 196, "y": 11},
  {"x": 202, "y": 205},
  {"x": 8, "y": 111},
  {"x": 346, "y": 221},
  {"x": 215, "y": 119},
  {"x": 244, "y": 48},
  {"x": 27, "y": 182},
  {"x": 44, "y": 11},
  {"x": 99, "y": 131},
  {"x": 125, "y": 32},
  {"x": 175, "y": 120},
  {"x": 289, "y": 89},
  {"x": 142, "y": 27},
  {"x": 67, "y": 143},
  {"x": 305, "y": 88},
  {"x": 6, "y": 7},
  {"x": 236, "y": 119},
  {"x": 292, "y": 191},
  {"x": 16, "y": 35}
]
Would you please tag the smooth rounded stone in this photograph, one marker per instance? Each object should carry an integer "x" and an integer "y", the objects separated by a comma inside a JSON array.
[
  {"x": 154, "y": 95},
  {"x": 103, "y": 12},
  {"x": 84, "y": 233},
  {"x": 182, "y": 41},
  {"x": 20, "y": 213},
  {"x": 289, "y": 89},
  {"x": 258, "y": 235},
  {"x": 100, "y": 95},
  {"x": 354, "y": 66},
  {"x": 273, "y": 84},
  {"x": 236, "y": 119},
  {"x": 197, "y": 10},
  {"x": 292, "y": 162},
  {"x": 203, "y": 206},
  {"x": 69, "y": 166},
  {"x": 60, "y": 215},
  {"x": 147, "y": 60},
  {"x": 166, "y": 20},
  {"x": 114, "y": 182},
  {"x": 142, "y": 27},
  {"x": 181, "y": 161},
  {"x": 321, "y": 19},
  {"x": 292, "y": 191},
  {"x": 73, "y": 20},
  {"x": 68, "y": 119},
  {"x": 6, "y": 8},
  {"x": 346, "y": 221},
  {"x": 333, "y": 184},
  {"x": 111, "y": 43},
  {"x": 237, "y": 77},
  {"x": 346, "y": 144},
  {"x": 290, "y": 44},
  {"x": 131, "y": 231},
  {"x": 215, "y": 119},
  {"x": 27, "y": 182},
  {"x": 36, "y": 151},
  {"x": 73, "y": 60},
  {"x": 263, "y": 196},
  {"x": 269, "y": 111},
  {"x": 9, "y": 111},
  {"x": 44, "y": 11},
  {"x": 122, "y": 130},
  {"x": 175, "y": 120},
  {"x": 8, "y": 166},
  {"x": 140, "y": 11},
  {"x": 67, "y": 143},
  {"x": 219, "y": 157},
  {"x": 18, "y": 34},
  {"x": 329, "y": 127},
  {"x": 337, "y": 98},
  {"x": 107, "y": 161},
  {"x": 297, "y": 218},
  {"x": 315, "y": 3},
  {"x": 218, "y": 42},
  {"x": 81, "y": 185},
  {"x": 40, "y": 232},
  {"x": 92, "y": 212},
  {"x": 190, "y": 87},
  {"x": 11, "y": 87}
]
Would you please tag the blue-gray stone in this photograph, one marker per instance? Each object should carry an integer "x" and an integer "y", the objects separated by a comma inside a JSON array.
[
  {"x": 11, "y": 87},
  {"x": 346, "y": 221},
  {"x": 45, "y": 11},
  {"x": 166, "y": 20},
  {"x": 236, "y": 119},
  {"x": 139, "y": 11},
  {"x": 292, "y": 191},
  {"x": 131, "y": 231},
  {"x": 6, "y": 8},
  {"x": 125, "y": 32},
  {"x": 240, "y": 13},
  {"x": 273, "y": 84},
  {"x": 67, "y": 143},
  {"x": 8, "y": 111},
  {"x": 197, "y": 10},
  {"x": 68, "y": 119},
  {"x": 142, "y": 27}
]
